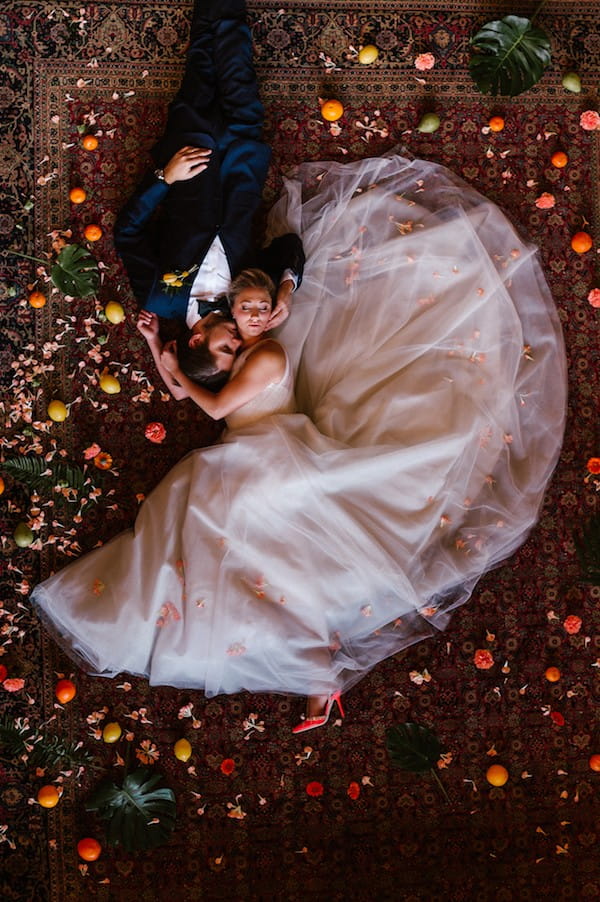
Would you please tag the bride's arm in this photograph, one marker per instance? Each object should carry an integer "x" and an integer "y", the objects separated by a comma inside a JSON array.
[{"x": 264, "y": 366}]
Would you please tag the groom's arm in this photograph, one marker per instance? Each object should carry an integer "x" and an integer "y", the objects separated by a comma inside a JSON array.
[{"x": 284, "y": 260}]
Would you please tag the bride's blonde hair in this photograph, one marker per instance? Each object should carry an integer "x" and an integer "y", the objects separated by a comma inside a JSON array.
[{"x": 251, "y": 278}]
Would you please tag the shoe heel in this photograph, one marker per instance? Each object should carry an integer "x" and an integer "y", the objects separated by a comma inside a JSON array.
[{"x": 337, "y": 698}]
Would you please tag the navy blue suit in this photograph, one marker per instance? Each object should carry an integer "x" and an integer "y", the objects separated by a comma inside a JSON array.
[{"x": 171, "y": 227}]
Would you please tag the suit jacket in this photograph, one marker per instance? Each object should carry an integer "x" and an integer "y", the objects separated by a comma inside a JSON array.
[{"x": 152, "y": 237}]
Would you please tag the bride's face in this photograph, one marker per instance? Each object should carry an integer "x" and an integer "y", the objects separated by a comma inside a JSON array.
[{"x": 251, "y": 310}]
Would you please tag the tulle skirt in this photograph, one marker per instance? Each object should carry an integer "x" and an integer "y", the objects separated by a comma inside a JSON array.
[{"x": 307, "y": 547}]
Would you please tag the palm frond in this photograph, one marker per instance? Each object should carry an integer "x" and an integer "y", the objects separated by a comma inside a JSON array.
[
  {"x": 18, "y": 738},
  {"x": 37, "y": 473}
]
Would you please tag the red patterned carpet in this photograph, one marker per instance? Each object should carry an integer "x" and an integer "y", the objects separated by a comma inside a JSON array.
[{"x": 255, "y": 833}]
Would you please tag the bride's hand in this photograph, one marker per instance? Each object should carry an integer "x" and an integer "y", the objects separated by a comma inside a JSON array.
[
  {"x": 168, "y": 357},
  {"x": 147, "y": 324},
  {"x": 283, "y": 304}
]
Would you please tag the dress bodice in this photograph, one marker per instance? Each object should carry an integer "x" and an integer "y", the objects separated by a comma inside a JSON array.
[{"x": 277, "y": 397}]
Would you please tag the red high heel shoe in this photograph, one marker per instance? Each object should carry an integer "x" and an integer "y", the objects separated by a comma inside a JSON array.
[{"x": 311, "y": 723}]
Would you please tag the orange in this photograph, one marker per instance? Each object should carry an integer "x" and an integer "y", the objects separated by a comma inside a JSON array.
[
  {"x": 594, "y": 763},
  {"x": 559, "y": 159},
  {"x": 77, "y": 195},
  {"x": 552, "y": 674},
  {"x": 92, "y": 232},
  {"x": 581, "y": 242},
  {"x": 48, "y": 796},
  {"x": 332, "y": 110},
  {"x": 89, "y": 142},
  {"x": 496, "y": 775},
  {"x": 496, "y": 123},
  {"x": 89, "y": 849},
  {"x": 65, "y": 691},
  {"x": 37, "y": 299},
  {"x": 2, "y": 486}
]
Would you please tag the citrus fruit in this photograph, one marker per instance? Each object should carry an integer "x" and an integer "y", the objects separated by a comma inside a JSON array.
[
  {"x": 89, "y": 142},
  {"x": 92, "y": 232},
  {"x": 581, "y": 242},
  {"x": 48, "y": 796},
  {"x": 571, "y": 82},
  {"x": 111, "y": 732},
  {"x": 496, "y": 123},
  {"x": 332, "y": 110},
  {"x": 2, "y": 486},
  {"x": 552, "y": 674},
  {"x": 65, "y": 691},
  {"x": 169, "y": 277},
  {"x": 23, "y": 535},
  {"x": 429, "y": 123},
  {"x": 89, "y": 849},
  {"x": 182, "y": 750},
  {"x": 77, "y": 195},
  {"x": 114, "y": 312},
  {"x": 594, "y": 763},
  {"x": 559, "y": 159},
  {"x": 37, "y": 299},
  {"x": 368, "y": 54},
  {"x": 496, "y": 775},
  {"x": 57, "y": 411},
  {"x": 110, "y": 384}
]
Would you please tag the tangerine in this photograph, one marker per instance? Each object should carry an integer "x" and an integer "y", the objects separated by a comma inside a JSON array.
[
  {"x": 77, "y": 195},
  {"x": 89, "y": 849},
  {"x": 89, "y": 142},
  {"x": 552, "y": 674},
  {"x": 559, "y": 159},
  {"x": 581, "y": 242},
  {"x": 57, "y": 411},
  {"x": 2, "y": 486},
  {"x": 93, "y": 232},
  {"x": 332, "y": 110},
  {"x": 37, "y": 299},
  {"x": 496, "y": 123},
  {"x": 48, "y": 796},
  {"x": 496, "y": 775},
  {"x": 65, "y": 691},
  {"x": 594, "y": 762}
]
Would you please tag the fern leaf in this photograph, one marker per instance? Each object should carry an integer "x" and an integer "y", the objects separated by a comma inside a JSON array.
[{"x": 37, "y": 473}]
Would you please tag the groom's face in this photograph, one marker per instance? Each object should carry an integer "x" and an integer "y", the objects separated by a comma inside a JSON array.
[{"x": 223, "y": 343}]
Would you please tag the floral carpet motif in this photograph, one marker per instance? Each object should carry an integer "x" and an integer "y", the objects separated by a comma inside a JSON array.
[{"x": 262, "y": 814}]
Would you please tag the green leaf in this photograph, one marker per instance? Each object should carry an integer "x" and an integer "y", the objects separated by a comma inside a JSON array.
[
  {"x": 37, "y": 473},
  {"x": 130, "y": 809},
  {"x": 511, "y": 55},
  {"x": 413, "y": 747},
  {"x": 17, "y": 738},
  {"x": 76, "y": 272},
  {"x": 587, "y": 545}
]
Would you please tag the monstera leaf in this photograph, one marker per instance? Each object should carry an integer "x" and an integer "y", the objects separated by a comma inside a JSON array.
[
  {"x": 413, "y": 747},
  {"x": 510, "y": 56},
  {"x": 587, "y": 545},
  {"x": 139, "y": 814},
  {"x": 75, "y": 272}
]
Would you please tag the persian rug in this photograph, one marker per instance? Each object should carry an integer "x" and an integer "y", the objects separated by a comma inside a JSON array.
[{"x": 262, "y": 814}]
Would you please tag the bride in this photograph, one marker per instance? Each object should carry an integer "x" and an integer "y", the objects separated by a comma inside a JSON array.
[{"x": 310, "y": 545}]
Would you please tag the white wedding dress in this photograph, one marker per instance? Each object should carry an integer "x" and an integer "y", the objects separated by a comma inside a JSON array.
[{"x": 310, "y": 545}]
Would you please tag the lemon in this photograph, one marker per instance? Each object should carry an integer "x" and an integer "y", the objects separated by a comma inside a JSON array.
[
  {"x": 429, "y": 123},
  {"x": 368, "y": 54},
  {"x": 497, "y": 775},
  {"x": 111, "y": 732},
  {"x": 182, "y": 750},
  {"x": 110, "y": 384},
  {"x": 23, "y": 535},
  {"x": 57, "y": 411},
  {"x": 114, "y": 312}
]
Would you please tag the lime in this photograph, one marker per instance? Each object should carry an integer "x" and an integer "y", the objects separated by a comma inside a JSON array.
[
  {"x": 571, "y": 82},
  {"x": 23, "y": 535},
  {"x": 429, "y": 123}
]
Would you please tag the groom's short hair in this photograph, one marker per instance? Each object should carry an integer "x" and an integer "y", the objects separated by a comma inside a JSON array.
[{"x": 198, "y": 363}]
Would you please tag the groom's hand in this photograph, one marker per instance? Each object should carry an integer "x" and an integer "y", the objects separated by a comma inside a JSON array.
[
  {"x": 186, "y": 163},
  {"x": 283, "y": 304}
]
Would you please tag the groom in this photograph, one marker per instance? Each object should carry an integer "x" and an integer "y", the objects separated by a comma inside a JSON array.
[{"x": 211, "y": 168}]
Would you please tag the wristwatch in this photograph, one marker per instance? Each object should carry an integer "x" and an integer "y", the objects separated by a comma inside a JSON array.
[{"x": 159, "y": 174}]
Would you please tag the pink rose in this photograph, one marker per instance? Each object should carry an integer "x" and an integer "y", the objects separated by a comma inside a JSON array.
[
  {"x": 13, "y": 685},
  {"x": 155, "y": 432},
  {"x": 545, "y": 201},
  {"x": 594, "y": 297},
  {"x": 424, "y": 61},
  {"x": 482, "y": 659},
  {"x": 572, "y": 624},
  {"x": 589, "y": 120}
]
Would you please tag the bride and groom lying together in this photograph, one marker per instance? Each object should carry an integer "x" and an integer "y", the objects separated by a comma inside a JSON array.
[{"x": 305, "y": 548}]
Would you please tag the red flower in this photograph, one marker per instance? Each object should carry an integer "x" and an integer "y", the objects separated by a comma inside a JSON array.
[
  {"x": 594, "y": 299},
  {"x": 593, "y": 465},
  {"x": 353, "y": 790},
  {"x": 314, "y": 789},
  {"x": 572, "y": 624},
  {"x": 155, "y": 432},
  {"x": 227, "y": 766},
  {"x": 482, "y": 659},
  {"x": 557, "y": 718}
]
